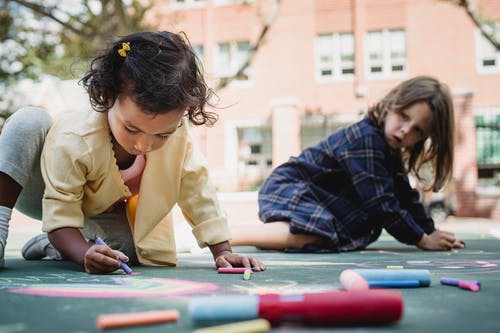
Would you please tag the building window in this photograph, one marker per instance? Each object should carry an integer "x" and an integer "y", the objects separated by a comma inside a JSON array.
[
  {"x": 488, "y": 149},
  {"x": 316, "y": 127},
  {"x": 385, "y": 55},
  {"x": 231, "y": 2},
  {"x": 198, "y": 50},
  {"x": 254, "y": 156},
  {"x": 229, "y": 59},
  {"x": 334, "y": 55},
  {"x": 487, "y": 56}
]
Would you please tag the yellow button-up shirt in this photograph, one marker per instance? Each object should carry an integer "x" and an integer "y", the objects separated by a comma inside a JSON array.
[{"x": 82, "y": 179}]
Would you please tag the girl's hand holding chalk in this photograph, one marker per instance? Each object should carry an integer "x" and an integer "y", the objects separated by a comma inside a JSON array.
[{"x": 101, "y": 259}]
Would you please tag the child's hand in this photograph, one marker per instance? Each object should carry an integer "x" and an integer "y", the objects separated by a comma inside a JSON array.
[
  {"x": 224, "y": 257},
  {"x": 100, "y": 259},
  {"x": 229, "y": 259},
  {"x": 440, "y": 240}
]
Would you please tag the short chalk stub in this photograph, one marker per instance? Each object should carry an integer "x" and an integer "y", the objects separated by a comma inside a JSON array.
[
  {"x": 232, "y": 270},
  {"x": 247, "y": 274}
]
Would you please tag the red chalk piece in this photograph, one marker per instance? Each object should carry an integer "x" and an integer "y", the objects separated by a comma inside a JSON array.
[
  {"x": 232, "y": 270},
  {"x": 115, "y": 320}
]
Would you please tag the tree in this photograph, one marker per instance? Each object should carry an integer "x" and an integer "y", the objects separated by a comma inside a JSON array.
[
  {"x": 267, "y": 23},
  {"x": 51, "y": 37},
  {"x": 58, "y": 37},
  {"x": 483, "y": 23}
]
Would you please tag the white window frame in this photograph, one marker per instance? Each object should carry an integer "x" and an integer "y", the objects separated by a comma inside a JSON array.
[
  {"x": 485, "y": 186},
  {"x": 485, "y": 50},
  {"x": 199, "y": 50},
  {"x": 335, "y": 49},
  {"x": 387, "y": 61},
  {"x": 232, "y": 2},
  {"x": 236, "y": 59},
  {"x": 186, "y": 4}
]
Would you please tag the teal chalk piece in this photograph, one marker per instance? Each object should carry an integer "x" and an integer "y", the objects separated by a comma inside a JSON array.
[{"x": 396, "y": 278}]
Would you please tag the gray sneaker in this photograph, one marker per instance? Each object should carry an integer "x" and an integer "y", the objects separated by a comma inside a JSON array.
[{"x": 40, "y": 247}]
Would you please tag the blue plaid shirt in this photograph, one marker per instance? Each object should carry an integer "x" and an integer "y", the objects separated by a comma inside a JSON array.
[{"x": 346, "y": 189}]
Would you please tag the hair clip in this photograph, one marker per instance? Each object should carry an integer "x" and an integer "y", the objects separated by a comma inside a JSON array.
[{"x": 125, "y": 48}]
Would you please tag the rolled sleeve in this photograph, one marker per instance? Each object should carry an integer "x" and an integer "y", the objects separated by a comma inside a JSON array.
[
  {"x": 211, "y": 232},
  {"x": 64, "y": 164},
  {"x": 199, "y": 203}
]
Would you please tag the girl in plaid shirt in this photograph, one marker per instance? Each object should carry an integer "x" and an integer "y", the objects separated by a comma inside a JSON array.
[{"x": 341, "y": 193}]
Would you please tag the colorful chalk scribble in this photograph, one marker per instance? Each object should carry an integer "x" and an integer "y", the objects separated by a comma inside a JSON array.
[
  {"x": 85, "y": 286},
  {"x": 439, "y": 266},
  {"x": 435, "y": 265},
  {"x": 129, "y": 287}
]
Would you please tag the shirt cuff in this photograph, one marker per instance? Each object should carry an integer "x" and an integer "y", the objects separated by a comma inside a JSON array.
[
  {"x": 57, "y": 215},
  {"x": 212, "y": 231}
]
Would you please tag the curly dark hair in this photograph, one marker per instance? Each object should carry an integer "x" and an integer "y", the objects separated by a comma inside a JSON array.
[{"x": 160, "y": 72}]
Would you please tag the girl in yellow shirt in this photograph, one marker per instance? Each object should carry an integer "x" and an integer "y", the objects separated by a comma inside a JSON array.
[{"x": 118, "y": 172}]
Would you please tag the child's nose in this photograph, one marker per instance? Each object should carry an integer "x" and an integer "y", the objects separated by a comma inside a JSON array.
[
  {"x": 405, "y": 129},
  {"x": 143, "y": 144}
]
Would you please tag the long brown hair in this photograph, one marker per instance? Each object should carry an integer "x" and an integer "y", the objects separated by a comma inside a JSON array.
[{"x": 439, "y": 150}]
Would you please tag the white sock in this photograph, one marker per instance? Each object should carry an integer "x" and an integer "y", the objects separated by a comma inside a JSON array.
[{"x": 5, "y": 213}]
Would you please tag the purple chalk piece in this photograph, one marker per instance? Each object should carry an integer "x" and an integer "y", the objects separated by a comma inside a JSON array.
[
  {"x": 455, "y": 282},
  {"x": 471, "y": 285},
  {"x": 123, "y": 265}
]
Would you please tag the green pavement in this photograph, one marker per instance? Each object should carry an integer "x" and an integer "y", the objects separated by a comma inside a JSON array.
[{"x": 49, "y": 296}]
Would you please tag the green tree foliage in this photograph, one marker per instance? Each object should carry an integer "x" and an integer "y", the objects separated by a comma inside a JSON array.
[
  {"x": 59, "y": 37},
  {"x": 481, "y": 20}
]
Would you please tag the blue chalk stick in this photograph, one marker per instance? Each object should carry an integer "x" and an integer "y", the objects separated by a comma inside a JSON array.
[
  {"x": 210, "y": 310},
  {"x": 392, "y": 277},
  {"x": 394, "y": 284}
]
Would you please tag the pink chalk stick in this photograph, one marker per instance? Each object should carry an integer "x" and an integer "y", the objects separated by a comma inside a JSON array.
[
  {"x": 351, "y": 280},
  {"x": 232, "y": 270},
  {"x": 469, "y": 286}
]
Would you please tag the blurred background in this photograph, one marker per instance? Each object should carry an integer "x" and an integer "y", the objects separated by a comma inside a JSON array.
[{"x": 287, "y": 73}]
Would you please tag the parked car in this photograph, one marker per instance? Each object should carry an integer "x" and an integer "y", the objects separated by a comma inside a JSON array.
[{"x": 439, "y": 205}]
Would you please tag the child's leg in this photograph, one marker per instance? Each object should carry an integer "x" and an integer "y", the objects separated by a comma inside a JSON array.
[
  {"x": 273, "y": 236},
  {"x": 114, "y": 229},
  {"x": 9, "y": 191},
  {"x": 21, "y": 143}
]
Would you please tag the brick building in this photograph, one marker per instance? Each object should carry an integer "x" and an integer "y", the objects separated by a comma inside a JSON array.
[{"x": 323, "y": 62}]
